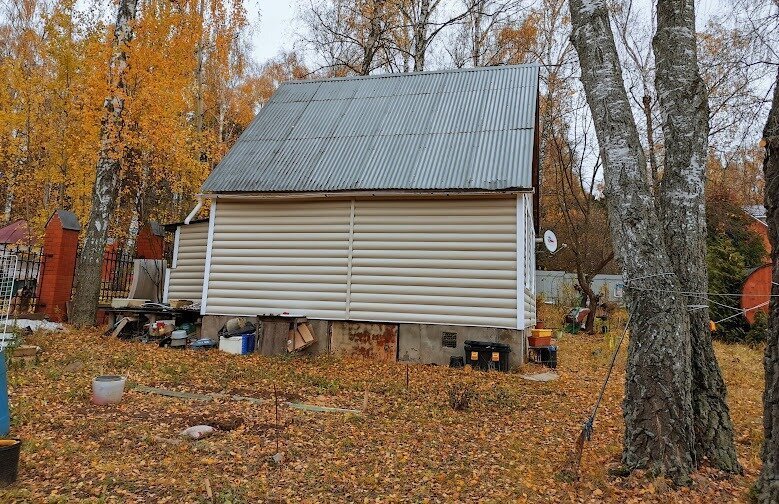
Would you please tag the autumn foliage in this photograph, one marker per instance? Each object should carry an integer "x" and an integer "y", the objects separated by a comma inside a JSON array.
[{"x": 192, "y": 89}]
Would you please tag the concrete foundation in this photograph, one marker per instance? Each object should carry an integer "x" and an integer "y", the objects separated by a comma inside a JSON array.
[
  {"x": 417, "y": 343},
  {"x": 436, "y": 344}
]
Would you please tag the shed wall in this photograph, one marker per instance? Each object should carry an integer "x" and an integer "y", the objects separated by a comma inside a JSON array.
[
  {"x": 432, "y": 261},
  {"x": 269, "y": 257},
  {"x": 186, "y": 278}
]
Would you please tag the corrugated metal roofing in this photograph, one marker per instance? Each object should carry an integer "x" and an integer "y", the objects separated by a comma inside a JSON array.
[
  {"x": 15, "y": 232},
  {"x": 465, "y": 129}
]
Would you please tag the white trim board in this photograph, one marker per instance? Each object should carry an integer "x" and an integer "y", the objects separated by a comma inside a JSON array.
[{"x": 209, "y": 247}]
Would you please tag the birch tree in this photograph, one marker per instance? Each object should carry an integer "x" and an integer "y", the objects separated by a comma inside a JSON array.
[
  {"x": 768, "y": 483},
  {"x": 104, "y": 193},
  {"x": 658, "y": 414},
  {"x": 682, "y": 207}
]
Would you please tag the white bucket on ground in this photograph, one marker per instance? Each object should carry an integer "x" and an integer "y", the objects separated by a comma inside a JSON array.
[{"x": 107, "y": 389}]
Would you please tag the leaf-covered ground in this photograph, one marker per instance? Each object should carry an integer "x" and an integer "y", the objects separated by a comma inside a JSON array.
[{"x": 514, "y": 443}]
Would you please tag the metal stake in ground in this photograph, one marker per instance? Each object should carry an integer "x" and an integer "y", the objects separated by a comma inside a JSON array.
[{"x": 586, "y": 433}]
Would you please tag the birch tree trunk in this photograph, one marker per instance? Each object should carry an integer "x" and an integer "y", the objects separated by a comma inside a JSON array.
[
  {"x": 684, "y": 109},
  {"x": 104, "y": 192},
  {"x": 768, "y": 484},
  {"x": 657, "y": 409},
  {"x": 420, "y": 35}
]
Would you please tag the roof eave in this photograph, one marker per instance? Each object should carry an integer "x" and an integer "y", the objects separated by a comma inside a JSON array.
[{"x": 365, "y": 193}]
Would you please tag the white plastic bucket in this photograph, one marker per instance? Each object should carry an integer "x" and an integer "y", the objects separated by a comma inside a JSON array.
[
  {"x": 178, "y": 338},
  {"x": 107, "y": 389}
]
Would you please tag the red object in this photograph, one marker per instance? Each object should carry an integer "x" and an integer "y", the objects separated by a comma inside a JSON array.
[
  {"x": 150, "y": 243},
  {"x": 15, "y": 232},
  {"x": 536, "y": 341},
  {"x": 60, "y": 244},
  {"x": 756, "y": 292}
]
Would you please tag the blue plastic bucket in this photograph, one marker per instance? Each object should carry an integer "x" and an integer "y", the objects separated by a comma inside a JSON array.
[{"x": 5, "y": 417}]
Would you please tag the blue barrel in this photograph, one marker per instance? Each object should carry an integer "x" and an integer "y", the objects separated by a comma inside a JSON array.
[{"x": 5, "y": 417}]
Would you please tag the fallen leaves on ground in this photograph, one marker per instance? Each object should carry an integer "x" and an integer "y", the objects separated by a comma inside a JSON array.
[{"x": 513, "y": 443}]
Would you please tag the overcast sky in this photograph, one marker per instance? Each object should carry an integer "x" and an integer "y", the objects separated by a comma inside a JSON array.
[{"x": 275, "y": 30}]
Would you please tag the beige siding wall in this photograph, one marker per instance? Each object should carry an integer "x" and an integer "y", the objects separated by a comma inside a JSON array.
[
  {"x": 186, "y": 279},
  {"x": 435, "y": 261},
  {"x": 439, "y": 261},
  {"x": 268, "y": 257}
]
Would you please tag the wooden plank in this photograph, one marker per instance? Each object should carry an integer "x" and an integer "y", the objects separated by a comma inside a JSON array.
[{"x": 321, "y": 409}]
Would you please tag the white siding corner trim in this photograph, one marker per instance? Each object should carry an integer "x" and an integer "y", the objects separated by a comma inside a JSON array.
[{"x": 209, "y": 252}]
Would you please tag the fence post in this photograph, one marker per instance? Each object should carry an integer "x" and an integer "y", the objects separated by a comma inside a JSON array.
[
  {"x": 150, "y": 243},
  {"x": 60, "y": 244}
]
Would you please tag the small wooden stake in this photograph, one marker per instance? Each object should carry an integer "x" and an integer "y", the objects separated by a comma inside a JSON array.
[
  {"x": 209, "y": 493},
  {"x": 276, "y": 401},
  {"x": 365, "y": 402},
  {"x": 406, "y": 377}
]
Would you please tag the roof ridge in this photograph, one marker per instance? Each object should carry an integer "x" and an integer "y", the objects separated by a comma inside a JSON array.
[{"x": 390, "y": 75}]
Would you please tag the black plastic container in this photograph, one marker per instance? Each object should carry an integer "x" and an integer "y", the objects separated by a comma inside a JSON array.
[
  {"x": 487, "y": 356},
  {"x": 547, "y": 356},
  {"x": 9, "y": 461}
]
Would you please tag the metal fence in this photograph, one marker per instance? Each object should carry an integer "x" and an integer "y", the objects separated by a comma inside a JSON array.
[
  {"x": 25, "y": 281},
  {"x": 558, "y": 287},
  {"x": 116, "y": 276}
]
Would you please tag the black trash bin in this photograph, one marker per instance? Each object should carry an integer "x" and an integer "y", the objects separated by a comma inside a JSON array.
[
  {"x": 487, "y": 356},
  {"x": 9, "y": 460}
]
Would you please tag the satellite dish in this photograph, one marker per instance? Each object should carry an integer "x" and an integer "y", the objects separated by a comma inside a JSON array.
[{"x": 550, "y": 241}]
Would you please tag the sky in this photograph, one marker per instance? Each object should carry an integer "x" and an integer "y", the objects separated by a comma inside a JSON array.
[{"x": 275, "y": 30}]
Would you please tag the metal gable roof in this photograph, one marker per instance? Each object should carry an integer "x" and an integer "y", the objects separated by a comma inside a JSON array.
[{"x": 466, "y": 129}]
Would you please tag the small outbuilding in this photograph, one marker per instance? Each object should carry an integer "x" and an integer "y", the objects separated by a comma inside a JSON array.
[{"x": 400, "y": 208}]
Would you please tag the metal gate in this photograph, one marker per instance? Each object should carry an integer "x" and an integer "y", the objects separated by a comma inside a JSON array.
[
  {"x": 25, "y": 281},
  {"x": 8, "y": 271}
]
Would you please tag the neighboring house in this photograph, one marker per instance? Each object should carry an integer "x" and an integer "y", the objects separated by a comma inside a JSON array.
[
  {"x": 407, "y": 201},
  {"x": 756, "y": 290},
  {"x": 15, "y": 233},
  {"x": 759, "y": 224}
]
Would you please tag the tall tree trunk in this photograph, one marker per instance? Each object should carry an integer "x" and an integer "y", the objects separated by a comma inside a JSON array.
[
  {"x": 420, "y": 35},
  {"x": 768, "y": 483},
  {"x": 685, "y": 111},
  {"x": 658, "y": 407},
  {"x": 104, "y": 192},
  {"x": 650, "y": 140},
  {"x": 374, "y": 35}
]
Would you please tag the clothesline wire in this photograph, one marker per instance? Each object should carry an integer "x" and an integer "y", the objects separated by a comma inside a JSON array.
[{"x": 700, "y": 294}]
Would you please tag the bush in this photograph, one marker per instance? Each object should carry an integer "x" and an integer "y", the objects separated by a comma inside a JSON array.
[{"x": 460, "y": 395}]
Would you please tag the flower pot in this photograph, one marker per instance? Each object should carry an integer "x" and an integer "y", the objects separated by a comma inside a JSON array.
[{"x": 9, "y": 460}]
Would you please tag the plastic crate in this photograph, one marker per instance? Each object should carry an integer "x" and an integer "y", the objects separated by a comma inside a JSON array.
[{"x": 241, "y": 344}]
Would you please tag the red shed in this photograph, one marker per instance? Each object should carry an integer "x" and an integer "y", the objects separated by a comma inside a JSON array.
[{"x": 756, "y": 292}]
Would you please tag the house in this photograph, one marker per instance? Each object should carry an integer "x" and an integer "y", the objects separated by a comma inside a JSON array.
[
  {"x": 15, "y": 233},
  {"x": 756, "y": 289},
  {"x": 399, "y": 208}
]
